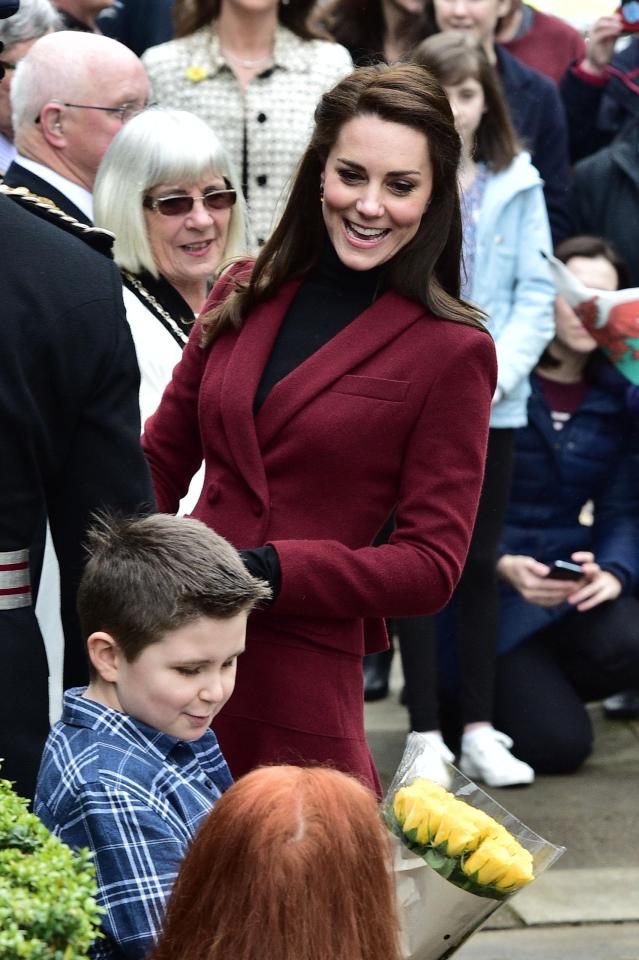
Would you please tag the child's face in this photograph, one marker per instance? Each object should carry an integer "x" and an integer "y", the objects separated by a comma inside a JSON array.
[
  {"x": 478, "y": 17},
  {"x": 180, "y": 683},
  {"x": 468, "y": 105}
]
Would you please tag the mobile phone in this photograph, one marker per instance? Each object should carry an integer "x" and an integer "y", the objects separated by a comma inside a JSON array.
[
  {"x": 629, "y": 16},
  {"x": 564, "y": 570}
]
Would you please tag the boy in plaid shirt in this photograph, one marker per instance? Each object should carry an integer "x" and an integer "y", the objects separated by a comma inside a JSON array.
[{"x": 132, "y": 767}]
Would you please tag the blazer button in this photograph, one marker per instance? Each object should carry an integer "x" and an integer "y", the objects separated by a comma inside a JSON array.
[
  {"x": 212, "y": 492},
  {"x": 261, "y": 180}
]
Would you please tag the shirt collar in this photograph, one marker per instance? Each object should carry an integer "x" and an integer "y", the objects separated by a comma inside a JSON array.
[
  {"x": 78, "y": 711},
  {"x": 7, "y": 153},
  {"x": 72, "y": 191},
  {"x": 289, "y": 52}
]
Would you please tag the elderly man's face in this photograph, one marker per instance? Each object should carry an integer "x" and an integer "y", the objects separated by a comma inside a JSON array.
[
  {"x": 89, "y": 132},
  {"x": 11, "y": 55}
]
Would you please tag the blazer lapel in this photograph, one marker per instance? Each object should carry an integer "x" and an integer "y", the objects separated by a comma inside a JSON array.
[
  {"x": 363, "y": 337},
  {"x": 242, "y": 375}
]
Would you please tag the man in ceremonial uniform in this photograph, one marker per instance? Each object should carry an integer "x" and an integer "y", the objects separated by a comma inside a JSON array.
[
  {"x": 70, "y": 95},
  {"x": 69, "y": 441}
]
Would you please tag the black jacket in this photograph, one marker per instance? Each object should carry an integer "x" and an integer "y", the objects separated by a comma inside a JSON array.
[
  {"x": 604, "y": 198},
  {"x": 69, "y": 444},
  {"x": 19, "y": 176},
  {"x": 538, "y": 118},
  {"x": 596, "y": 113}
]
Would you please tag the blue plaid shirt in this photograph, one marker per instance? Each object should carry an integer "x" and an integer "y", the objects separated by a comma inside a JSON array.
[{"x": 134, "y": 796}]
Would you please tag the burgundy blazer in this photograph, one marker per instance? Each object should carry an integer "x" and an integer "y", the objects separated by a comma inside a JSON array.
[{"x": 389, "y": 415}]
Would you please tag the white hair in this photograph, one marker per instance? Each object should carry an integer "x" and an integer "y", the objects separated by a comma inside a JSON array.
[
  {"x": 158, "y": 146},
  {"x": 58, "y": 67},
  {"x": 34, "y": 19}
]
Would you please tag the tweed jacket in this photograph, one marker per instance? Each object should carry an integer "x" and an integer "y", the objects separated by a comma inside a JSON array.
[
  {"x": 376, "y": 420},
  {"x": 276, "y": 108}
]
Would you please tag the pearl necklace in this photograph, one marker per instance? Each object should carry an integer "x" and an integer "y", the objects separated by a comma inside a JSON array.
[{"x": 247, "y": 64}]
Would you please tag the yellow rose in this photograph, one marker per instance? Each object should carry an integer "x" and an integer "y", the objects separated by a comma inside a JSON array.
[
  {"x": 458, "y": 834},
  {"x": 421, "y": 789},
  {"x": 494, "y": 863},
  {"x": 418, "y": 819},
  {"x": 518, "y": 873},
  {"x": 482, "y": 821},
  {"x": 428, "y": 788},
  {"x": 195, "y": 74},
  {"x": 489, "y": 862}
]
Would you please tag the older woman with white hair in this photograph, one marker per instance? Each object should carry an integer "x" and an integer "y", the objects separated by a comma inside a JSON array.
[
  {"x": 18, "y": 33},
  {"x": 167, "y": 190}
]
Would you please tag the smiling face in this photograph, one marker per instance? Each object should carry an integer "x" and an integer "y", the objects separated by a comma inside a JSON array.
[
  {"x": 478, "y": 17},
  {"x": 468, "y": 104},
  {"x": 571, "y": 336},
  {"x": 178, "y": 684},
  {"x": 187, "y": 247},
  {"x": 377, "y": 182}
]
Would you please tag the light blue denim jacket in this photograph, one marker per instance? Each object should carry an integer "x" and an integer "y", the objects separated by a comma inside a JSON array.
[{"x": 512, "y": 283}]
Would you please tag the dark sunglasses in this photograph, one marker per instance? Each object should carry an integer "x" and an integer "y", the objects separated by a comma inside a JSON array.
[{"x": 180, "y": 205}]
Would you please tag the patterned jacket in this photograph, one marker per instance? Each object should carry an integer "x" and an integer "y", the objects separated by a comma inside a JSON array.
[{"x": 276, "y": 109}]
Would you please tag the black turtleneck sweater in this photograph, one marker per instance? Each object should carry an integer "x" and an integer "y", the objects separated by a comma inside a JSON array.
[{"x": 330, "y": 297}]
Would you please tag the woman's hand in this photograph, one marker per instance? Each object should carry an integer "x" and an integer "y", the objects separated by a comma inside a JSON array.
[
  {"x": 600, "y": 586},
  {"x": 529, "y": 578},
  {"x": 601, "y": 45}
]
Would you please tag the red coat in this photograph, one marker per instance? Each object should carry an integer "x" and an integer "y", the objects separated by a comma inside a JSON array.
[{"x": 389, "y": 415}]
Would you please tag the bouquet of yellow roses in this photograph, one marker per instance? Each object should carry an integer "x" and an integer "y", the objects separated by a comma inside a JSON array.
[{"x": 458, "y": 855}]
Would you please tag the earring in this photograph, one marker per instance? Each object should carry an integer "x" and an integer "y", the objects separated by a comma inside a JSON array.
[{"x": 321, "y": 193}]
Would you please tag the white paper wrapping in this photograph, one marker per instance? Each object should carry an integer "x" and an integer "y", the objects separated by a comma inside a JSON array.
[{"x": 436, "y": 916}]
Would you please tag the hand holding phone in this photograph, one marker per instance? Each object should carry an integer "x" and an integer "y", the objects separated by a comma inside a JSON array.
[{"x": 565, "y": 570}]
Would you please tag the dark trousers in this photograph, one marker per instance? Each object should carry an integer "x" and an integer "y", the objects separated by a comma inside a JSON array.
[
  {"x": 476, "y": 603},
  {"x": 543, "y": 684}
]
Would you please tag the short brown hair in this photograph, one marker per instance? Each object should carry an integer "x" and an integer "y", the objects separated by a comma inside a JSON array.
[
  {"x": 292, "y": 863},
  {"x": 452, "y": 57},
  {"x": 427, "y": 269},
  {"x": 148, "y": 575},
  {"x": 585, "y": 245}
]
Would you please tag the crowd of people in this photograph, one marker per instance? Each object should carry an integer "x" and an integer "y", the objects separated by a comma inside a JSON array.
[{"x": 283, "y": 267}]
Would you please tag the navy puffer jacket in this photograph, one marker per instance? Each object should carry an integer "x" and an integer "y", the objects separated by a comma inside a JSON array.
[{"x": 593, "y": 458}]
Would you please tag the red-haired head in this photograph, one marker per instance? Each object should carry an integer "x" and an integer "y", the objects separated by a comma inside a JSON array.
[{"x": 292, "y": 863}]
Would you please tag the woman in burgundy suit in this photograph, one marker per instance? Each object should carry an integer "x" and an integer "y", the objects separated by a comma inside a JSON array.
[{"x": 334, "y": 381}]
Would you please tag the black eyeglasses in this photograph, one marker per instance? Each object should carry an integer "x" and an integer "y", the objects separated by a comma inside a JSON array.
[
  {"x": 125, "y": 112},
  {"x": 180, "y": 205},
  {"x": 5, "y": 65}
]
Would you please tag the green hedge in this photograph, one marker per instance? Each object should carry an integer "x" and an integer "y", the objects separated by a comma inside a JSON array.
[{"x": 47, "y": 892}]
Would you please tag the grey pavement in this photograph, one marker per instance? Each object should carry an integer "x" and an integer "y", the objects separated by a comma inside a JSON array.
[{"x": 586, "y": 907}]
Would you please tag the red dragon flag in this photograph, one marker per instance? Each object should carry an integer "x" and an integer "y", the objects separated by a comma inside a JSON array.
[{"x": 611, "y": 317}]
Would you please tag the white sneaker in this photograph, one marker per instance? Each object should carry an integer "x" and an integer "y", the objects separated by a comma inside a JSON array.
[
  {"x": 431, "y": 763},
  {"x": 485, "y": 755}
]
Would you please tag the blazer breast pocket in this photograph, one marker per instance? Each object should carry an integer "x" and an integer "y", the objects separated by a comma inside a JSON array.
[{"x": 376, "y": 388}]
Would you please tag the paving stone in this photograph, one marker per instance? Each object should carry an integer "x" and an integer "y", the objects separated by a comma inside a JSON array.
[
  {"x": 588, "y": 942},
  {"x": 580, "y": 896}
]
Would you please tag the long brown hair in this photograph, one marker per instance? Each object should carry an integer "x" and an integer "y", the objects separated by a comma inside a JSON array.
[
  {"x": 291, "y": 864},
  {"x": 452, "y": 57},
  {"x": 190, "y": 15},
  {"x": 359, "y": 25},
  {"x": 427, "y": 269}
]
